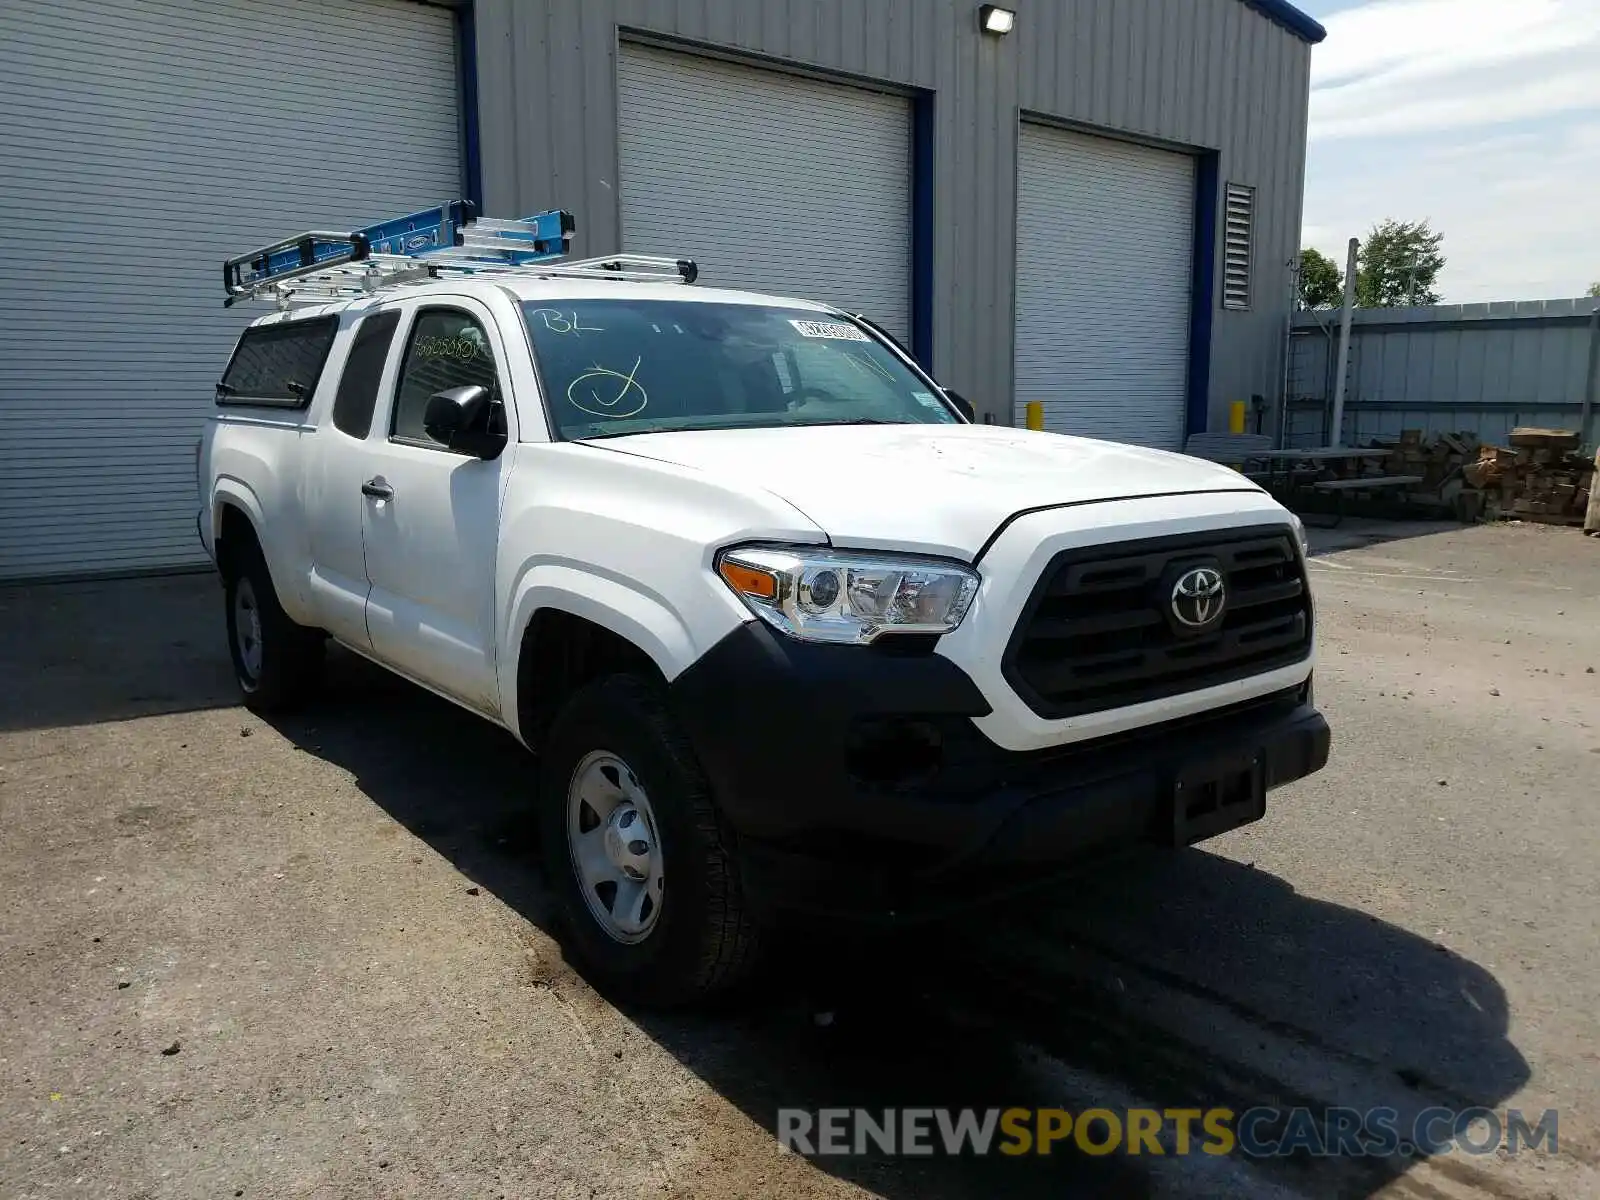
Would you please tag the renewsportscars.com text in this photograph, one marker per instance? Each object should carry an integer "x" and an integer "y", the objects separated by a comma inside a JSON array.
[{"x": 1259, "y": 1132}]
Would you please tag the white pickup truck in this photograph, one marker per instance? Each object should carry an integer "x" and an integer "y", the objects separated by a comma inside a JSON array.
[{"x": 768, "y": 607}]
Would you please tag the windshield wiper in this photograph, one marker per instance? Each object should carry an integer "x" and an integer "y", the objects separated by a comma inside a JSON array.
[
  {"x": 711, "y": 426},
  {"x": 857, "y": 421},
  {"x": 701, "y": 427}
]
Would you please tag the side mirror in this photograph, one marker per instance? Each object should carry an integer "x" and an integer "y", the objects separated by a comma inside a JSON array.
[
  {"x": 461, "y": 418},
  {"x": 963, "y": 405}
]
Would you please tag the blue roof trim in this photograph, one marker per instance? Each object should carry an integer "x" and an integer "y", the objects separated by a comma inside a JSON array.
[{"x": 1291, "y": 18}]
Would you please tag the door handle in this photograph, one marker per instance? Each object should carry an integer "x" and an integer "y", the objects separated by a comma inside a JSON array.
[{"x": 377, "y": 489}]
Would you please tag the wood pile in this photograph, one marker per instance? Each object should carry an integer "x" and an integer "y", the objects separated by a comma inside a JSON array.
[
  {"x": 1540, "y": 477},
  {"x": 1436, "y": 459}
]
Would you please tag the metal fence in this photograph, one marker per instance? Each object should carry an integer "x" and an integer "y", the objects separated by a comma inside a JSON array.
[{"x": 1481, "y": 367}]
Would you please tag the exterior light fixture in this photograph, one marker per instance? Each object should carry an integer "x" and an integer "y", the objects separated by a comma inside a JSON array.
[{"x": 996, "y": 20}]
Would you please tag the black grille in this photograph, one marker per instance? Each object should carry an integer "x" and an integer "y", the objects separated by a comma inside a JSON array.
[{"x": 1097, "y": 634}]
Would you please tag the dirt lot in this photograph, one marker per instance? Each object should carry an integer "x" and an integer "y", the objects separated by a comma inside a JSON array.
[{"x": 310, "y": 958}]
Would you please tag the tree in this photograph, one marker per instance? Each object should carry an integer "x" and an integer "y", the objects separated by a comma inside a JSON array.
[
  {"x": 1321, "y": 281},
  {"x": 1398, "y": 264},
  {"x": 1594, "y": 290}
]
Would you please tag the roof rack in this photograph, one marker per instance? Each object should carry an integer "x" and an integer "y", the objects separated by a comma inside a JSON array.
[{"x": 438, "y": 243}]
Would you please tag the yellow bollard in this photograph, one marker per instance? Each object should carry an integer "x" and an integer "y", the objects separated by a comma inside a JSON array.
[
  {"x": 1035, "y": 412},
  {"x": 1236, "y": 416}
]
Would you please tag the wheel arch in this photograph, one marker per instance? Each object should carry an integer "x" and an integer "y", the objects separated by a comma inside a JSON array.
[
  {"x": 235, "y": 522},
  {"x": 559, "y": 652}
]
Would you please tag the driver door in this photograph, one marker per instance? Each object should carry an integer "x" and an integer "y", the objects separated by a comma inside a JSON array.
[{"x": 430, "y": 515}]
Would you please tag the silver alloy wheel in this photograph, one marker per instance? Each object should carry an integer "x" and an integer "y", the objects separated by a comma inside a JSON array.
[
  {"x": 247, "y": 628},
  {"x": 612, "y": 842}
]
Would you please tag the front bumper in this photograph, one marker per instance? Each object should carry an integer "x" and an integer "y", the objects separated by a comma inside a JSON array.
[{"x": 858, "y": 783}]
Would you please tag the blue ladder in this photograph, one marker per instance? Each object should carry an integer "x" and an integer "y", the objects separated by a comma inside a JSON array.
[
  {"x": 449, "y": 236},
  {"x": 437, "y": 243}
]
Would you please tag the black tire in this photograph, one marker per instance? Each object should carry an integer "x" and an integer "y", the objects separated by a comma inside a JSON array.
[
  {"x": 285, "y": 666},
  {"x": 705, "y": 939}
]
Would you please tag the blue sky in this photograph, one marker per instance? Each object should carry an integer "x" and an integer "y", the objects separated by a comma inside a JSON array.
[{"x": 1482, "y": 116}]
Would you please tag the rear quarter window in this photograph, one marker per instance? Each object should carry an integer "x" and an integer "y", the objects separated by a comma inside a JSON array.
[
  {"x": 278, "y": 364},
  {"x": 358, "y": 386}
]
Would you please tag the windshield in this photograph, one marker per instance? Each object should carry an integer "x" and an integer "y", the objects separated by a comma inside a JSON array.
[{"x": 615, "y": 366}]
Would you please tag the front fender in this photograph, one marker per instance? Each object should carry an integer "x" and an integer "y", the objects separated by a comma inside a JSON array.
[{"x": 623, "y": 606}]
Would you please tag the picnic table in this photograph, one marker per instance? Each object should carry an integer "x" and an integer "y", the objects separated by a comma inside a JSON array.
[
  {"x": 1291, "y": 460},
  {"x": 1284, "y": 469},
  {"x": 1285, "y": 461},
  {"x": 1324, "y": 453}
]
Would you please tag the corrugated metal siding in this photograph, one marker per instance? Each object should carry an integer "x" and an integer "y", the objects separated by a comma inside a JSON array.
[
  {"x": 1481, "y": 367},
  {"x": 1202, "y": 73},
  {"x": 147, "y": 141},
  {"x": 725, "y": 165}
]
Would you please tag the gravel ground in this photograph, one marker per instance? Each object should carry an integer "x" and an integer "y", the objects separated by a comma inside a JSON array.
[{"x": 310, "y": 958}]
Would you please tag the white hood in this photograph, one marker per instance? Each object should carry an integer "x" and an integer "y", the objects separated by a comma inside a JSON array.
[{"x": 937, "y": 489}]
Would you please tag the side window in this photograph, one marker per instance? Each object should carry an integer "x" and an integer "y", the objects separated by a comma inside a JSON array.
[
  {"x": 278, "y": 364},
  {"x": 448, "y": 349},
  {"x": 358, "y": 386}
]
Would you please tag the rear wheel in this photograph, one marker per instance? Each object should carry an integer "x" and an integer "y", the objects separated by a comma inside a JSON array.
[
  {"x": 636, "y": 852},
  {"x": 276, "y": 661}
]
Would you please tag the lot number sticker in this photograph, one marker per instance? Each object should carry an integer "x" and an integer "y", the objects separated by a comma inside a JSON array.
[{"x": 834, "y": 330}]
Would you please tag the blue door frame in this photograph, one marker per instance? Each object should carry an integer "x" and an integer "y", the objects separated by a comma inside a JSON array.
[
  {"x": 1197, "y": 413},
  {"x": 467, "y": 67}
]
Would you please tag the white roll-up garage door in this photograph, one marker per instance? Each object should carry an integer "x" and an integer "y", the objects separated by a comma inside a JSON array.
[
  {"x": 769, "y": 181},
  {"x": 147, "y": 140},
  {"x": 1104, "y": 254}
]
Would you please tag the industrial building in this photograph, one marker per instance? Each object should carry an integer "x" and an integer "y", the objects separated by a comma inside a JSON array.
[{"x": 1089, "y": 203}]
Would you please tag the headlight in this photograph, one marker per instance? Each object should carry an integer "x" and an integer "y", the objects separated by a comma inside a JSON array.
[
  {"x": 1300, "y": 535},
  {"x": 843, "y": 596}
]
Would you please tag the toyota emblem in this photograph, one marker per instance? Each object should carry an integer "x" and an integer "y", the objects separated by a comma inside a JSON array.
[{"x": 1198, "y": 598}]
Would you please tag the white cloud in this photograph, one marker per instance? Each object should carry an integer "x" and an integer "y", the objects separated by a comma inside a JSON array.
[
  {"x": 1458, "y": 104},
  {"x": 1482, "y": 116},
  {"x": 1415, "y": 65}
]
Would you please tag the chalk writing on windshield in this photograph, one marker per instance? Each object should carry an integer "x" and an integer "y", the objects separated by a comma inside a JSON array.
[
  {"x": 557, "y": 321},
  {"x": 608, "y": 394}
]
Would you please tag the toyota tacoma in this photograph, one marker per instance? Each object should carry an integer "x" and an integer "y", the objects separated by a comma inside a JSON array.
[{"x": 765, "y": 603}]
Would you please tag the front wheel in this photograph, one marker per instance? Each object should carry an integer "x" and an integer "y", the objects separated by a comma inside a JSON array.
[
  {"x": 636, "y": 852},
  {"x": 276, "y": 661}
]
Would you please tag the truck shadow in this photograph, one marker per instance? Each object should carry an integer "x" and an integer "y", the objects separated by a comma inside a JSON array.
[
  {"x": 107, "y": 650},
  {"x": 1138, "y": 985}
]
